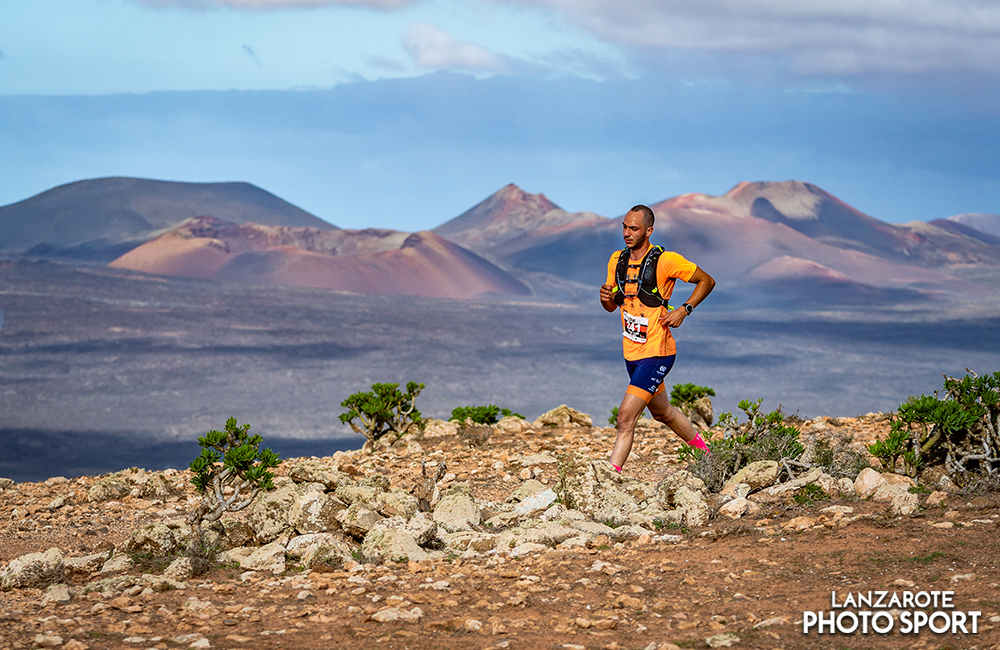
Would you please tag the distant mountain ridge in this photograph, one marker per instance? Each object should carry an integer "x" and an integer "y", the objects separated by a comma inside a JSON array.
[
  {"x": 101, "y": 218},
  {"x": 759, "y": 239},
  {"x": 366, "y": 261}
]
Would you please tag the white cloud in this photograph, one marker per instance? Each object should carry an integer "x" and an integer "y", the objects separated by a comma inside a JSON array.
[
  {"x": 839, "y": 38},
  {"x": 431, "y": 47},
  {"x": 381, "y": 5}
]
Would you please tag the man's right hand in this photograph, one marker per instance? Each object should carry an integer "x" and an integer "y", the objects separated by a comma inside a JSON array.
[{"x": 607, "y": 297}]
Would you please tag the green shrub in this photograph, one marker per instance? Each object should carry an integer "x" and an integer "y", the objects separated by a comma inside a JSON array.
[
  {"x": 613, "y": 420},
  {"x": 383, "y": 410},
  {"x": 482, "y": 414},
  {"x": 244, "y": 468},
  {"x": 682, "y": 394},
  {"x": 761, "y": 437},
  {"x": 959, "y": 431}
]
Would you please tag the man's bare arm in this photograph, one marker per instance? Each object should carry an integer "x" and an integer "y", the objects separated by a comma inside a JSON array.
[
  {"x": 607, "y": 297},
  {"x": 703, "y": 285}
]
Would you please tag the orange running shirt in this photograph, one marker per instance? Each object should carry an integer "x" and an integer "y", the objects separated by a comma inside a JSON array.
[{"x": 643, "y": 335}]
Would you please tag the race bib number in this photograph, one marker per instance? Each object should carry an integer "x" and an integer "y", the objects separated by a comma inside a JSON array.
[{"x": 635, "y": 327}]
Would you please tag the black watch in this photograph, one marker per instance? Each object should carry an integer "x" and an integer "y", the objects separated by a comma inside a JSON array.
[{"x": 688, "y": 308}]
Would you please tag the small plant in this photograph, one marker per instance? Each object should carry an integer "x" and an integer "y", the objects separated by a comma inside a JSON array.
[
  {"x": 482, "y": 414},
  {"x": 382, "y": 411},
  {"x": 682, "y": 394},
  {"x": 810, "y": 494},
  {"x": 613, "y": 419},
  {"x": 245, "y": 470},
  {"x": 962, "y": 431},
  {"x": 761, "y": 437}
]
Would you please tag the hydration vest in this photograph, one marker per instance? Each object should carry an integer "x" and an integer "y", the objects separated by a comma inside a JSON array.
[{"x": 649, "y": 293}]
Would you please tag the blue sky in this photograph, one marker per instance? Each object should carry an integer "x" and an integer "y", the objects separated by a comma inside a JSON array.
[{"x": 404, "y": 113}]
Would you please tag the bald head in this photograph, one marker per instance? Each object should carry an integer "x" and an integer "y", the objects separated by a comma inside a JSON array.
[{"x": 646, "y": 213}]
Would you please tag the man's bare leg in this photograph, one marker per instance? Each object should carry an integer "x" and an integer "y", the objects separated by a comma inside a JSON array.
[
  {"x": 628, "y": 414},
  {"x": 663, "y": 411}
]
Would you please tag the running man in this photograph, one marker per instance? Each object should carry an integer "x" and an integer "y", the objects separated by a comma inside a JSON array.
[{"x": 640, "y": 281}]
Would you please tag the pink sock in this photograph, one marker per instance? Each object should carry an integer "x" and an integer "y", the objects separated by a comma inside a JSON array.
[
  {"x": 698, "y": 443},
  {"x": 617, "y": 469}
]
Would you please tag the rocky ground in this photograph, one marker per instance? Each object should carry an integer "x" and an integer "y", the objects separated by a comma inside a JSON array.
[{"x": 454, "y": 540}]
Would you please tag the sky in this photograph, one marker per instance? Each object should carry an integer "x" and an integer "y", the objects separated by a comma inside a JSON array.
[{"x": 404, "y": 113}]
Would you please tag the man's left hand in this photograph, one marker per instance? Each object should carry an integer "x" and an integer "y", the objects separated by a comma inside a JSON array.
[{"x": 673, "y": 318}]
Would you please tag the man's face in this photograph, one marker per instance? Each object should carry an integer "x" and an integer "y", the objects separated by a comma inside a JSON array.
[{"x": 634, "y": 231}]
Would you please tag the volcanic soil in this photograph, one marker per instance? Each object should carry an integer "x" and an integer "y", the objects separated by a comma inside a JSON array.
[{"x": 743, "y": 582}]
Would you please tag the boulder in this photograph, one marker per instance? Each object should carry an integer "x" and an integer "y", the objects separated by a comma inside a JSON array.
[
  {"x": 388, "y": 542},
  {"x": 237, "y": 531},
  {"x": 330, "y": 554},
  {"x": 439, "y": 428},
  {"x": 700, "y": 412},
  {"x": 160, "y": 539},
  {"x": 525, "y": 490},
  {"x": 357, "y": 520},
  {"x": 271, "y": 512},
  {"x": 57, "y": 594},
  {"x": 668, "y": 487},
  {"x": 898, "y": 495},
  {"x": 84, "y": 566},
  {"x": 738, "y": 507},
  {"x": 592, "y": 487},
  {"x": 315, "y": 471},
  {"x": 546, "y": 533},
  {"x": 512, "y": 424},
  {"x": 690, "y": 508},
  {"x": 562, "y": 416},
  {"x": 270, "y": 557},
  {"x": 397, "y": 503},
  {"x": 867, "y": 483},
  {"x": 109, "y": 488},
  {"x": 469, "y": 539},
  {"x": 457, "y": 510},
  {"x": 757, "y": 475},
  {"x": 33, "y": 570},
  {"x": 315, "y": 512},
  {"x": 537, "y": 501}
]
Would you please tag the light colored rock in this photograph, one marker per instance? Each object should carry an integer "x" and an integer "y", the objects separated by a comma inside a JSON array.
[
  {"x": 666, "y": 489},
  {"x": 315, "y": 471},
  {"x": 632, "y": 531},
  {"x": 867, "y": 483},
  {"x": 48, "y": 640},
  {"x": 799, "y": 524},
  {"x": 537, "y": 501},
  {"x": 58, "y": 594},
  {"x": 397, "y": 615},
  {"x": 470, "y": 539},
  {"x": 546, "y": 533},
  {"x": 329, "y": 554},
  {"x": 898, "y": 494},
  {"x": 898, "y": 479},
  {"x": 511, "y": 424},
  {"x": 299, "y": 545},
  {"x": 528, "y": 548},
  {"x": 109, "y": 488},
  {"x": 439, "y": 428},
  {"x": 592, "y": 487},
  {"x": 736, "y": 508},
  {"x": 160, "y": 538},
  {"x": 725, "y": 640},
  {"x": 457, "y": 510},
  {"x": 180, "y": 569},
  {"x": 396, "y": 503},
  {"x": 270, "y": 557},
  {"x": 33, "y": 570},
  {"x": 388, "y": 544},
  {"x": 736, "y": 490},
  {"x": 946, "y": 484},
  {"x": 525, "y": 490},
  {"x": 84, "y": 566},
  {"x": 271, "y": 512},
  {"x": 358, "y": 520},
  {"x": 117, "y": 564},
  {"x": 845, "y": 486},
  {"x": 936, "y": 498},
  {"x": 315, "y": 512},
  {"x": 237, "y": 531},
  {"x": 562, "y": 416},
  {"x": 757, "y": 475}
]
